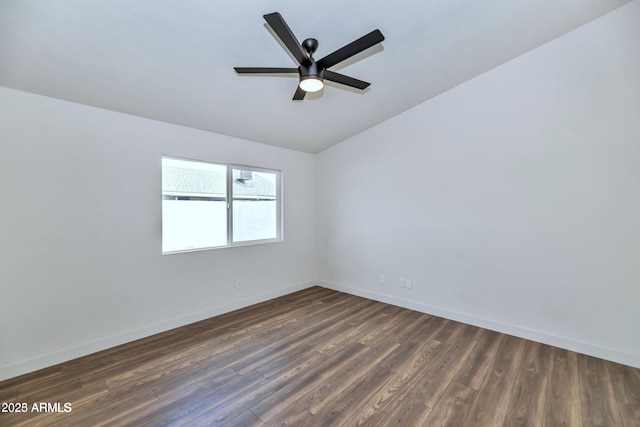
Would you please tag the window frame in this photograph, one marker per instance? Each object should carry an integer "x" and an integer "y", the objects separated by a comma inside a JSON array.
[{"x": 230, "y": 200}]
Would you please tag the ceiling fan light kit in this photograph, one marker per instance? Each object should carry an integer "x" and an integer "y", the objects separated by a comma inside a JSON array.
[
  {"x": 312, "y": 73},
  {"x": 311, "y": 84}
]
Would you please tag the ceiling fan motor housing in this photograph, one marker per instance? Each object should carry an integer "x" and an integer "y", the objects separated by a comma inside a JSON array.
[{"x": 309, "y": 69}]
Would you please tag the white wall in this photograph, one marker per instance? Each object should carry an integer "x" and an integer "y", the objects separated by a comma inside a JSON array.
[
  {"x": 512, "y": 201},
  {"x": 81, "y": 267}
]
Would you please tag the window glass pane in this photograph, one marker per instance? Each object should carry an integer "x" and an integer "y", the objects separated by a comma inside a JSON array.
[
  {"x": 255, "y": 210},
  {"x": 194, "y": 205}
]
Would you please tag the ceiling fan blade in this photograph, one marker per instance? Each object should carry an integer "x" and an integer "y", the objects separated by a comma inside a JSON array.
[
  {"x": 299, "y": 95},
  {"x": 265, "y": 70},
  {"x": 282, "y": 30},
  {"x": 345, "y": 80},
  {"x": 353, "y": 48}
]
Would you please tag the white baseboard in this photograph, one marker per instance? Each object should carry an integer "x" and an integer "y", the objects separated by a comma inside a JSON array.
[
  {"x": 518, "y": 331},
  {"x": 51, "y": 359}
]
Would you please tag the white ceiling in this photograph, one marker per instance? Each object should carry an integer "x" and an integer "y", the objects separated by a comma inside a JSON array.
[{"x": 173, "y": 60}]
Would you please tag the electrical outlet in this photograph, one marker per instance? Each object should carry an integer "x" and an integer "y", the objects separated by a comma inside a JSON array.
[
  {"x": 383, "y": 278},
  {"x": 408, "y": 284},
  {"x": 402, "y": 282},
  {"x": 239, "y": 284}
]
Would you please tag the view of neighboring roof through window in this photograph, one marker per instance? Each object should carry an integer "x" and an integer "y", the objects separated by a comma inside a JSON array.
[{"x": 210, "y": 205}]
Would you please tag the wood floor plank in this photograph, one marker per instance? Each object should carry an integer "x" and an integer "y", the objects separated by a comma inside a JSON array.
[
  {"x": 475, "y": 369},
  {"x": 563, "y": 404},
  {"x": 246, "y": 419},
  {"x": 453, "y": 407},
  {"x": 292, "y": 416},
  {"x": 396, "y": 373},
  {"x": 490, "y": 407},
  {"x": 379, "y": 316},
  {"x": 390, "y": 324},
  {"x": 375, "y": 365},
  {"x": 350, "y": 403},
  {"x": 423, "y": 378},
  {"x": 32, "y": 377},
  {"x": 269, "y": 407},
  {"x": 318, "y": 357},
  {"x": 597, "y": 397},
  {"x": 527, "y": 403},
  {"x": 342, "y": 385},
  {"x": 626, "y": 385},
  {"x": 204, "y": 376},
  {"x": 175, "y": 410},
  {"x": 459, "y": 346},
  {"x": 8, "y": 393},
  {"x": 295, "y": 336}
]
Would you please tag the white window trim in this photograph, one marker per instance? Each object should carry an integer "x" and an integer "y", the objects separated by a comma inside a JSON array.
[{"x": 230, "y": 243}]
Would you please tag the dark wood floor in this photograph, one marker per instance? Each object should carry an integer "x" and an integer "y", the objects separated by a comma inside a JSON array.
[{"x": 323, "y": 358}]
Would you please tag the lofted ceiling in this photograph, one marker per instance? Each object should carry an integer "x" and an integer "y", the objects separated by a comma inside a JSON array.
[{"x": 173, "y": 60}]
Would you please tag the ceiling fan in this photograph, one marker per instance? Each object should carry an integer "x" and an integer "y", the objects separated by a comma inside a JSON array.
[{"x": 312, "y": 73}]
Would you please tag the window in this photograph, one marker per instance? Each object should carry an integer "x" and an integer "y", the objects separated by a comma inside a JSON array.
[{"x": 210, "y": 205}]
